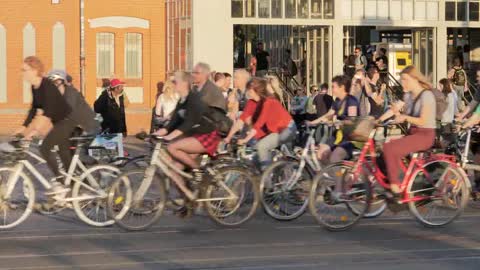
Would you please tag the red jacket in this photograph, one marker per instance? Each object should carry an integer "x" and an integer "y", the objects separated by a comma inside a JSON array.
[{"x": 273, "y": 117}]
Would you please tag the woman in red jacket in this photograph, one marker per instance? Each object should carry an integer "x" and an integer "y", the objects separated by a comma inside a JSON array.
[{"x": 272, "y": 124}]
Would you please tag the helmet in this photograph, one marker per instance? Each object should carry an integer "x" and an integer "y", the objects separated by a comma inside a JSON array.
[{"x": 57, "y": 74}]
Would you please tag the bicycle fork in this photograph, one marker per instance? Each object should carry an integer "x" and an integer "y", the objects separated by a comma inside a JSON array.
[{"x": 12, "y": 180}]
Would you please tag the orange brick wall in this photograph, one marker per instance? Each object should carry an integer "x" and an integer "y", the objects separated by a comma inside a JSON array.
[{"x": 43, "y": 15}]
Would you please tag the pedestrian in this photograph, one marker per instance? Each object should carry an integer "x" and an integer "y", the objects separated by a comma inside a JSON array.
[
  {"x": 253, "y": 65},
  {"x": 299, "y": 103},
  {"x": 323, "y": 103},
  {"x": 228, "y": 81},
  {"x": 111, "y": 105},
  {"x": 289, "y": 67},
  {"x": 48, "y": 116},
  {"x": 220, "y": 80},
  {"x": 360, "y": 59},
  {"x": 349, "y": 67},
  {"x": 446, "y": 127},
  {"x": 211, "y": 94},
  {"x": 153, "y": 126},
  {"x": 237, "y": 97},
  {"x": 310, "y": 109},
  {"x": 165, "y": 105},
  {"x": 362, "y": 91},
  {"x": 460, "y": 81},
  {"x": 263, "y": 61},
  {"x": 381, "y": 62}
]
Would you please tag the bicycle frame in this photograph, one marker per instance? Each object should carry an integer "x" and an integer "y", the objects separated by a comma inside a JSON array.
[
  {"x": 162, "y": 161},
  {"x": 69, "y": 177},
  {"x": 416, "y": 164}
]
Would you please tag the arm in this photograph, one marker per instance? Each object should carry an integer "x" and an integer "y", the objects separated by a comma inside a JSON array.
[
  {"x": 235, "y": 128},
  {"x": 323, "y": 118},
  {"x": 472, "y": 121},
  {"x": 427, "y": 112},
  {"x": 158, "y": 107},
  {"x": 100, "y": 104},
  {"x": 196, "y": 109}
]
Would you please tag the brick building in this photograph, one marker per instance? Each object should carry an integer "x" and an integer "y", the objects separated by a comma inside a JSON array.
[{"x": 122, "y": 39}]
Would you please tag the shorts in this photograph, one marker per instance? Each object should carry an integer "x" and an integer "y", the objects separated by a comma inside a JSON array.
[{"x": 209, "y": 141}]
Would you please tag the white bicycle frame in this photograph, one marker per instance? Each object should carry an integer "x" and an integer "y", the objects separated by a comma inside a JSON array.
[
  {"x": 69, "y": 177},
  {"x": 161, "y": 160}
]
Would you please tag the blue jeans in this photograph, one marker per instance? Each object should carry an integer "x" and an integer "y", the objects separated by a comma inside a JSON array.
[{"x": 272, "y": 141}]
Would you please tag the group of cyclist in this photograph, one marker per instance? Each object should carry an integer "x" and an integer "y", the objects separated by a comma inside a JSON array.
[{"x": 197, "y": 124}]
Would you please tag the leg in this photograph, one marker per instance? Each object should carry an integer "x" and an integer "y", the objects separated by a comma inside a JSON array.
[
  {"x": 63, "y": 141},
  {"x": 324, "y": 152},
  {"x": 339, "y": 154},
  {"x": 182, "y": 150},
  {"x": 264, "y": 146},
  {"x": 46, "y": 151}
]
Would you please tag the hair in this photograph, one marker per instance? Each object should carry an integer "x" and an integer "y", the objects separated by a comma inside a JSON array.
[
  {"x": 383, "y": 50},
  {"x": 413, "y": 72},
  {"x": 447, "y": 86},
  {"x": 168, "y": 90},
  {"x": 105, "y": 83},
  {"x": 227, "y": 75},
  {"x": 183, "y": 76},
  {"x": 324, "y": 86},
  {"x": 218, "y": 76},
  {"x": 243, "y": 72},
  {"x": 358, "y": 48},
  {"x": 259, "y": 85},
  {"x": 351, "y": 60},
  {"x": 36, "y": 64},
  {"x": 312, "y": 88},
  {"x": 204, "y": 67},
  {"x": 457, "y": 61},
  {"x": 344, "y": 81},
  {"x": 273, "y": 84}
]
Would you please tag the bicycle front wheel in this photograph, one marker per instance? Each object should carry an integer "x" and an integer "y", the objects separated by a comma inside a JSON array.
[
  {"x": 438, "y": 193},
  {"x": 279, "y": 201},
  {"x": 89, "y": 195},
  {"x": 334, "y": 190},
  {"x": 132, "y": 213},
  {"x": 232, "y": 197},
  {"x": 19, "y": 205}
]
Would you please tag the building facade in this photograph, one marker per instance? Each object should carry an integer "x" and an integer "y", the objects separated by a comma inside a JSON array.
[
  {"x": 121, "y": 39},
  {"x": 322, "y": 32}
]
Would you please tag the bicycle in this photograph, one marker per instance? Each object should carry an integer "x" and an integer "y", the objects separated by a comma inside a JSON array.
[
  {"x": 88, "y": 195},
  {"x": 429, "y": 179},
  {"x": 285, "y": 185},
  {"x": 138, "y": 198}
]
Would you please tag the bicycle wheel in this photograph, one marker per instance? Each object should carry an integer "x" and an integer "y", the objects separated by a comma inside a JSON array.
[
  {"x": 333, "y": 192},
  {"x": 15, "y": 209},
  {"x": 224, "y": 209},
  {"x": 143, "y": 212},
  {"x": 279, "y": 201},
  {"x": 94, "y": 183},
  {"x": 438, "y": 193}
]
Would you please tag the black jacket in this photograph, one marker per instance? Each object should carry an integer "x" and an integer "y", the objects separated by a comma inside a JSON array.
[
  {"x": 113, "y": 114},
  {"x": 189, "y": 116},
  {"x": 48, "y": 98},
  {"x": 212, "y": 96},
  {"x": 82, "y": 114}
]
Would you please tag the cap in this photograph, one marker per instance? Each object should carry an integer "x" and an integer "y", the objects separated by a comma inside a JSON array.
[
  {"x": 57, "y": 74},
  {"x": 116, "y": 82}
]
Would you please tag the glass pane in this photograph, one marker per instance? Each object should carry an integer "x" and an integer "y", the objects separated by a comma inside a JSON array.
[
  {"x": 133, "y": 55},
  {"x": 264, "y": 8},
  {"x": 450, "y": 11},
  {"x": 276, "y": 8},
  {"x": 473, "y": 10},
  {"x": 290, "y": 9},
  {"x": 250, "y": 8},
  {"x": 237, "y": 8},
  {"x": 302, "y": 8},
  {"x": 316, "y": 9},
  {"x": 461, "y": 11},
  {"x": 328, "y": 9}
]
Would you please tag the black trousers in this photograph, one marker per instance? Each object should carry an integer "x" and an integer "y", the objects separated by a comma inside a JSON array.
[{"x": 59, "y": 135}]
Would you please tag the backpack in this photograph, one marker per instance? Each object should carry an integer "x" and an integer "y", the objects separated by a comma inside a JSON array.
[
  {"x": 459, "y": 77},
  {"x": 441, "y": 103}
]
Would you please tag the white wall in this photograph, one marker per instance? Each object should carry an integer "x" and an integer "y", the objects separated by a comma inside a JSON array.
[{"x": 213, "y": 34}]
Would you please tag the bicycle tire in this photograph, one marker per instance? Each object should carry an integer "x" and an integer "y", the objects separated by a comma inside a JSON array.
[
  {"x": 279, "y": 209},
  {"x": 321, "y": 194},
  {"x": 248, "y": 195},
  {"x": 142, "y": 214},
  {"x": 29, "y": 195},
  {"x": 428, "y": 190}
]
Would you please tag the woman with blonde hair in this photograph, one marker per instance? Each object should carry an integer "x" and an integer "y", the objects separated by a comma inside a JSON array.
[
  {"x": 420, "y": 112},
  {"x": 166, "y": 103},
  {"x": 273, "y": 87}
]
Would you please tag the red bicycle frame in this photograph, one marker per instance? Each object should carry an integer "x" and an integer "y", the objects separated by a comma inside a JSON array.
[{"x": 367, "y": 165}]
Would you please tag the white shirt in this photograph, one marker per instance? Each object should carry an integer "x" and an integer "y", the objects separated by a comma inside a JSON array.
[
  {"x": 164, "y": 106},
  {"x": 449, "y": 113}
]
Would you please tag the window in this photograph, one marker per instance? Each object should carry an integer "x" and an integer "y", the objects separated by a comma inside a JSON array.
[
  {"x": 249, "y": 8},
  {"x": 302, "y": 8},
  {"x": 264, "y": 8},
  {"x": 328, "y": 9},
  {"x": 277, "y": 9},
  {"x": 461, "y": 11},
  {"x": 133, "y": 55},
  {"x": 450, "y": 11},
  {"x": 316, "y": 9},
  {"x": 105, "y": 54},
  {"x": 473, "y": 10},
  {"x": 237, "y": 8},
  {"x": 290, "y": 9}
]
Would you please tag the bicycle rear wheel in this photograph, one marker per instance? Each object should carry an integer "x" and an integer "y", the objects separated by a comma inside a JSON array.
[
  {"x": 330, "y": 204},
  {"x": 277, "y": 201},
  {"x": 438, "y": 193},
  {"x": 222, "y": 207},
  {"x": 141, "y": 213},
  {"x": 15, "y": 209}
]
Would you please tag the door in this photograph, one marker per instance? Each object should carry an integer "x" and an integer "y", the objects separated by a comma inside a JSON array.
[{"x": 424, "y": 52}]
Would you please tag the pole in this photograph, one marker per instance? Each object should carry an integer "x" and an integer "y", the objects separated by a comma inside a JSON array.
[{"x": 82, "y": 47}]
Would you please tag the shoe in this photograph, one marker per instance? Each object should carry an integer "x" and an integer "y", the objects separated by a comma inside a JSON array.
[{"x": 58, "y": 190}]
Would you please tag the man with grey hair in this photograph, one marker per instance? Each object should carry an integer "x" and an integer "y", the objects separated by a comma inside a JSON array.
[
  {"x": 211, "y": 94},
  {"x": 240, "y": 80}
]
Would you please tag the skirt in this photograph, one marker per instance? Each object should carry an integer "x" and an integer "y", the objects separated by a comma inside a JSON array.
[{"x": 209, "y": 141}]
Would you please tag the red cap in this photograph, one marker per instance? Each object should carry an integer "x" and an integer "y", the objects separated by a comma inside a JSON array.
[{"x": 116, "y": 82}]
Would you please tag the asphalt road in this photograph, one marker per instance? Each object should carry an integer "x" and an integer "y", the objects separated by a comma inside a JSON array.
[{"x": 388, "y": 242}]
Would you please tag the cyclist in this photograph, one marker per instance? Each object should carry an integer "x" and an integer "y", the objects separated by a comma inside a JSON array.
[
  {"x": 420, "y": 113},
  {"x": 346, "y": 105},
  {"x": 272, "y": 124},
  {"x": 48, "y": 105},
  {"x": 191, "y": 134}
]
